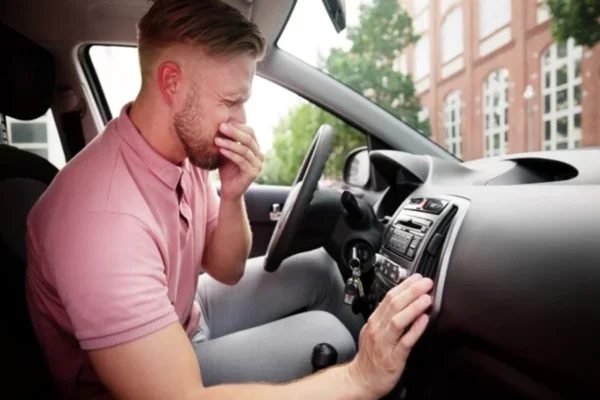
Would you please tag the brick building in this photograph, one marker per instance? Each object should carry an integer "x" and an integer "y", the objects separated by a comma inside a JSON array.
[{"x": 492, "y": 80}]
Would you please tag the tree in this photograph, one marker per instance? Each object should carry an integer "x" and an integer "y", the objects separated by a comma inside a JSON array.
[
  {"x": 292, "y": 138},
  {"x": 579, "y": 19},
  {"x": 383, "y": 31}
]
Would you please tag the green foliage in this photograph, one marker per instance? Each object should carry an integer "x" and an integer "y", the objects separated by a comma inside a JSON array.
[
  {"x": 579, "y": 19},
  {"x": 293, "y": 136},
  {"x": 383, "y": 31}
]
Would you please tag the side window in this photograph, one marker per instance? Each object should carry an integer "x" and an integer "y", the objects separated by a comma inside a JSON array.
[
  {"x": 38, "y": 136},
  {"x": 284, "y": 122}
]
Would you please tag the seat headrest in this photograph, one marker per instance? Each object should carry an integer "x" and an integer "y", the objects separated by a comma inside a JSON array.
[{"x": 27, "y": 76}]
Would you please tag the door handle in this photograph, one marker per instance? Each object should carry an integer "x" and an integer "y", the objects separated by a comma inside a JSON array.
[{"x": 275, "y": 212}]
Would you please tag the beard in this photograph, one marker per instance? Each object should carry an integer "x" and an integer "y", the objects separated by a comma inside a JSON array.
[{"x": 196, "y": 138}]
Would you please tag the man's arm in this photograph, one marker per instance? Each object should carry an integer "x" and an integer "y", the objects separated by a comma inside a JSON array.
[
  {"x": 229, "y": 245},
  {"x": 163, "y": 366}
]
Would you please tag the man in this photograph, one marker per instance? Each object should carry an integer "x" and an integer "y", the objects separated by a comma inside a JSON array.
[{"x": 117, "y": 243}]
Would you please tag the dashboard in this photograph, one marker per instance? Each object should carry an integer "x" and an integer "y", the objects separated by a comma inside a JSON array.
[{"x": 513, "y": 246}]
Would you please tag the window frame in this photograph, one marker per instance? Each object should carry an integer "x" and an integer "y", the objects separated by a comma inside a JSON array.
[
  {"x": 91, "y": 75},
  {"x": 550, "y": 64}
]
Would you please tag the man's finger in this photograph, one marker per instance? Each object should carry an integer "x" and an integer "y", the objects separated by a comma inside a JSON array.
[
  {"x": 240, "y": 149},
  {"x": 246, "y": 128},
  {"x": 381, "y": 310},
  {"x": 405, "y": 284},
  {"x": 410, "y": 338},
  {"x": 401, "y": 299},
  {"x": 238, "y": 135},
  {"x": 404, "y": 318},
  {"x": 240, "y": 161},
  {"x": 250, "y": 131}
]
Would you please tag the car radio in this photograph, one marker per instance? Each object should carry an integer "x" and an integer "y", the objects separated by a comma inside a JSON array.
[{"x": 408, "y": 235}]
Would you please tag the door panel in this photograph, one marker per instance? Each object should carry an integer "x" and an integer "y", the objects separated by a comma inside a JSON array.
[{"x": 259, "y": 199}]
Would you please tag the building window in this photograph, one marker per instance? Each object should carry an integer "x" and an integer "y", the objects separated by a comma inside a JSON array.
[
  {"x": 493, "y": 15},
  {"x": 452, "y": 123},
  {"x": 452, "y": 35},
  {"x": 422, "y": 63},
  {"x": 495, "y": 113},
  {"x": 561, "y": 95},
  {"x": 446, "y": 4},
  {"x": 401, "y": 64},
  {"x": 419, "y": 6}
]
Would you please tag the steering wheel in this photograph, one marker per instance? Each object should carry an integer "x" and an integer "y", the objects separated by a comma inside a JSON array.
[{"x": 299, "y": 198}]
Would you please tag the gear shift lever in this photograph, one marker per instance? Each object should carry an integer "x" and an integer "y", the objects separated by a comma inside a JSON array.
[{"x": 324, "y": 355}]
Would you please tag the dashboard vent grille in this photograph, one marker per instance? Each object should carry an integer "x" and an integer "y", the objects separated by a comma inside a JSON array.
[{"x": 431, "y": 256}]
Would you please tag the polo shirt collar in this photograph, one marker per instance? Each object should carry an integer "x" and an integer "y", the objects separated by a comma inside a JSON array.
[{"x": 165, "y": 170}]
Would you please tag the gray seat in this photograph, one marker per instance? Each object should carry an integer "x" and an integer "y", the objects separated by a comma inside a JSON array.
[{"x": 27, "y": 79}]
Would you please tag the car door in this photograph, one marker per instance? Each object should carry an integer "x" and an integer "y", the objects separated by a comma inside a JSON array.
[{"x": 262, "y": 203}]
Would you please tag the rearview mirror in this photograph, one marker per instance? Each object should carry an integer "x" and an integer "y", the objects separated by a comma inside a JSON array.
[
  {"x": 337, "y": 13},
  {"x": 357, "y": 168}
]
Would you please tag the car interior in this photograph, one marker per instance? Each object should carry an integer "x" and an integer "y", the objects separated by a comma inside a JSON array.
[{"x": 511, "y": 242}]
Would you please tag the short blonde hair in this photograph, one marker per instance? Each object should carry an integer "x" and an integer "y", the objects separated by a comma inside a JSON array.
[{"x": 220, "y": 29}]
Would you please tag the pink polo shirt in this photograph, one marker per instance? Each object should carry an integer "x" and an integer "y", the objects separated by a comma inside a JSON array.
[{"x": 114, "y": 251}]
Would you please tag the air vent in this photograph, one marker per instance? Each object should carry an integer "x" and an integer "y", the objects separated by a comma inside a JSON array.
[{"x": 431, "y": 256}]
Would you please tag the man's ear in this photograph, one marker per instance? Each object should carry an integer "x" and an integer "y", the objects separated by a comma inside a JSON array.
[{"x": 169, "y": 78}]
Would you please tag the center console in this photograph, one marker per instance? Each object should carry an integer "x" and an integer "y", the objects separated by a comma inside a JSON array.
[{"x": 413, "y": 242}]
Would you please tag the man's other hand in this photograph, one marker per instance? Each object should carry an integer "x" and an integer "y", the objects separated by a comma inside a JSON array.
[
  {"x": 385, "y": 342},
  {"x": 244, "y": 159}
]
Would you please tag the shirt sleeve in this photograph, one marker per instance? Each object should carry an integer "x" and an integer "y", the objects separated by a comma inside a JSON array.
[{"x": 111, "y": 280}]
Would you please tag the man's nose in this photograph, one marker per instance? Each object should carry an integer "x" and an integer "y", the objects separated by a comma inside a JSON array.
[{"x": 239, "y": 115}]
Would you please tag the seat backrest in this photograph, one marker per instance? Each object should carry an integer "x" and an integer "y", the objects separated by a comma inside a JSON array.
[
  {"x": 26, "y": 89},
  {"x": 23, "y": 178}
]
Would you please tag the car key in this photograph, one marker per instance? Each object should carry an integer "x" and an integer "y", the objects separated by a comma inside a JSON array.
[
  {"x": 361, "y": 291},
  {"x": 350, "y": 291},
  {"x": 356, "y": 276},
  {"x": 355, "y": 264}
]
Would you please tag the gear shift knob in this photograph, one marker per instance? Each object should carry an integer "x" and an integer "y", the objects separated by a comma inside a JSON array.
[{"x": 324, "y": 355}]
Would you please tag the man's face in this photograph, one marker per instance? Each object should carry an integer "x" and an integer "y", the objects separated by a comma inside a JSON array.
[{"x": 215, "y": 91}]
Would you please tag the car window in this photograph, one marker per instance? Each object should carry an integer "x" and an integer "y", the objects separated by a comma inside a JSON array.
[
  {"x": 38, "y": 136},
  {"x": 492, "y": 78},
  {"x": 284, "y": 122}
]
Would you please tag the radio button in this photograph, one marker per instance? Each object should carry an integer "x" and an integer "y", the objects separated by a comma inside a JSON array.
[
  {"x": 415, "y": 243},
  {"x": 435, "y": 205}
]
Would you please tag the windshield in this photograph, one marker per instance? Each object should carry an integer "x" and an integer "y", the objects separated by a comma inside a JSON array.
[{"x": 479, "y": 77}]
